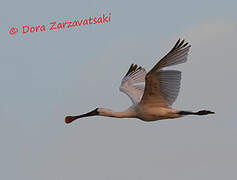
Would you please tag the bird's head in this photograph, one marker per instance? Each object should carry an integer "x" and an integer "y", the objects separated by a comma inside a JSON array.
[{"x": 69, "y": 119}]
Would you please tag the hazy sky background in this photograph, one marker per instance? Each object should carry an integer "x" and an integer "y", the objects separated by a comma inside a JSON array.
[{"x": 47, "y": 75}]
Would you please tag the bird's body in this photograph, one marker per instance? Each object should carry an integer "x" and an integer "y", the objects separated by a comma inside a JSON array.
[
  {"x": 153, "y": 113},
  {"x": 145, "y": 113},
  {"x": 152, "y": 101}
]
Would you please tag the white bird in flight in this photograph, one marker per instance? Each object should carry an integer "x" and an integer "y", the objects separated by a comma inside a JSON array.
[{"x": 152, "y": 101}]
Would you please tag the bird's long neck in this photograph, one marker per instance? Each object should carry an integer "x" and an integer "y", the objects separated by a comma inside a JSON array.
[{"x": 129, "y": 113}]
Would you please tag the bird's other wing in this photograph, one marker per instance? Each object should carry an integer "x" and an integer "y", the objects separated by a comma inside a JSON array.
[
  {"x": 131, "y": 83},
  {"x": 162, "y": 86}
]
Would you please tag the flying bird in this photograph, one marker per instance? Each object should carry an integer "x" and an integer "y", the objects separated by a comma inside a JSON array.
[{"x": 152, "y": 101}]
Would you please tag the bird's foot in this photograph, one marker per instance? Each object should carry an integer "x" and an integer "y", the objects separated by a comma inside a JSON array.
[{"x": 204, "y": 112}]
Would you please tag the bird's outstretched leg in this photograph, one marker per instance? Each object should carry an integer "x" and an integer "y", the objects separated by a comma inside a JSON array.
[{"x": 203, "y": 112}]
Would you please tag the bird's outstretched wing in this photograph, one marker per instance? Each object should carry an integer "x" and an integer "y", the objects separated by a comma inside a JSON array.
[
  {"x": 129, "y": 84},
  {"x": 162, "y": 86}
]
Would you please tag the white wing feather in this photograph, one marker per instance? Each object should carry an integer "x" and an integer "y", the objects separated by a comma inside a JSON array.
[
  {"x": 162, "y": 86},
  {"x": 129, "y": 84},
  {"x": 169, "y": 82}
]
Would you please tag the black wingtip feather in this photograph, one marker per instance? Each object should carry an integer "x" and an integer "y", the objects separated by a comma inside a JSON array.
[
  {"x": 176, "y": 44},
  {"x": 179, "y": 45},
  {"x": 184, "y": 45},
  {"x": 130, "y": 69},
  {"x": 133, "y": 68}
]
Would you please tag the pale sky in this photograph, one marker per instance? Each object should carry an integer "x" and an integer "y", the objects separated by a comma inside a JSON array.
[{"x": 45, "y": 76}]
